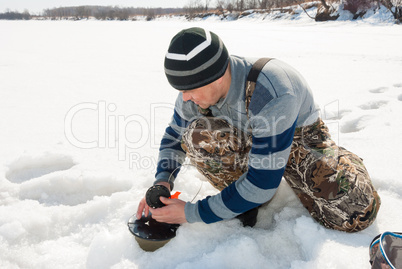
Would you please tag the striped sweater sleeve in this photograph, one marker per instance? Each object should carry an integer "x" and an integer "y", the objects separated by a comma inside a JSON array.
[
  {"x": 273, "y": 125},
  {"x": 171, "y": 155}
]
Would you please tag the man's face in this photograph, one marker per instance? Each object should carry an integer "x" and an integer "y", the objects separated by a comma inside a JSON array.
[{"x": 205, "y": 96}]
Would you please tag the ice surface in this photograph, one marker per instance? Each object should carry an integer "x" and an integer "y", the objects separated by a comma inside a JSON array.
[{"x": 83, "y": 108}]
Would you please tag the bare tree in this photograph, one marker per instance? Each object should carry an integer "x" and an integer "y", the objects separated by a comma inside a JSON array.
[
  {"x": 220, "y": 4},
  {"x": 193, "y": 7},
  {"x": 82, "y": 12},
  {"x": 150, "y": 14},
  {"x": 395, "y": 7},
  {"x": 240, "y": 5},
  {"x": 251, "y": 4},
  {"x": 324, "y": 4},
  {"x": 264, "y": 4},
  {"x": 230, "y": 6},
  {"x": 207, "y": 4}
]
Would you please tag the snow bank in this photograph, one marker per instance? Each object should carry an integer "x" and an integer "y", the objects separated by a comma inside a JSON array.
[{"x": 374, "y": 15}]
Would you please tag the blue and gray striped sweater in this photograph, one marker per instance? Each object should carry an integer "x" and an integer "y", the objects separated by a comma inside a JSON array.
[{"x": 282, "y": 101}]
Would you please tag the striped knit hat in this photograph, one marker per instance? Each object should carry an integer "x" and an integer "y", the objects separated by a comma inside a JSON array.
[{"x": 195, "y": 58}]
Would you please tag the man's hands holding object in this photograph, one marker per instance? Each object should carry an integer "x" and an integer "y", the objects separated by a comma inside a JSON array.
[{"x": 163, "y": 207}]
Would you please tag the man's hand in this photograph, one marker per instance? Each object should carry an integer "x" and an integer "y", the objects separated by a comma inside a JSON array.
[
  {"x": 172, "y": 213},
  {"x": 144, "y": 207}
]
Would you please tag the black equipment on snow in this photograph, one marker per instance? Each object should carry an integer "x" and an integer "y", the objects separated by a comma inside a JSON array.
[
  {"x": 151, "y": 234},
  {"x": 153, "y": 195}
]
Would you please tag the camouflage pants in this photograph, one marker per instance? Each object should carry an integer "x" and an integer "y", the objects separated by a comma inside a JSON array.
[{"x": 331, "y": 182}]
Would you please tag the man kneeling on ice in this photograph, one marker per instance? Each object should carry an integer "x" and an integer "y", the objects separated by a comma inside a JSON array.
[{"x": 245, "y": 124}]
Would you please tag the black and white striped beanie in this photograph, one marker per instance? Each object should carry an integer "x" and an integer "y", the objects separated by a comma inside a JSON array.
[{"x": 195, "y": 58}]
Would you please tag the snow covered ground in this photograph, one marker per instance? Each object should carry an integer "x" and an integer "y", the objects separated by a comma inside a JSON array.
[{"x": 84, "y": 105}]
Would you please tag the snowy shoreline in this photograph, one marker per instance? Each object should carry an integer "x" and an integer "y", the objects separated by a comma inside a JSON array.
[{"x": 374, "y": 13}]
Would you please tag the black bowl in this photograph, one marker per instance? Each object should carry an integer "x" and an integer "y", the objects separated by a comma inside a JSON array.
[{"x": 151, "y": 234}]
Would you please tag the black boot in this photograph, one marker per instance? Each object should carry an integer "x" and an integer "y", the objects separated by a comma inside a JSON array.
[{"x": 249, "y": 218}]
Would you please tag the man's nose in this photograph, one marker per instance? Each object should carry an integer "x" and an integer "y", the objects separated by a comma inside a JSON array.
[{"x": 186, "y": 96}]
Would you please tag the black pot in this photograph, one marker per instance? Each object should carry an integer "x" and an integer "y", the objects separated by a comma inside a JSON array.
[{"x": 151, "y": 234}]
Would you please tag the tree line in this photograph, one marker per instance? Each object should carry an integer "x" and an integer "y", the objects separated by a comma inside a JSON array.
[
  {"x": 14, "y": 15},
  {"x": 106, "y": 12},
  {"x": 97, "y": 12}
]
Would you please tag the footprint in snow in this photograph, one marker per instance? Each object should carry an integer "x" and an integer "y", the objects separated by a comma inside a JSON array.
[
  {"x": 398, "y": 85},
  {"x": 379, "y": 90},
  {"x": 356, "y": 124},
  {"x": 374, "y": 104},
  {"x": 52, "y": 180},
  {"x": 28, "y": 167}
]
